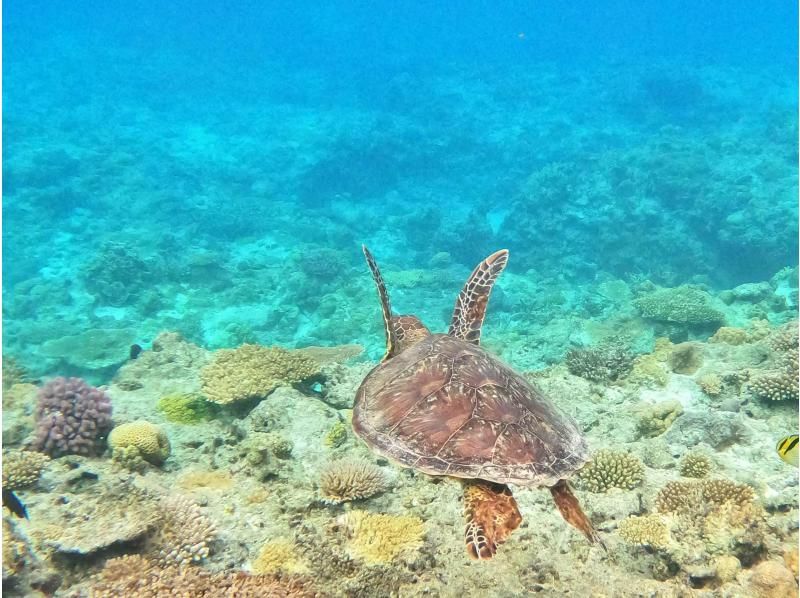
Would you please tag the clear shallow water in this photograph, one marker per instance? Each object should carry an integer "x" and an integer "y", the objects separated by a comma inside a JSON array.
[{"x": 213, "y": 170}]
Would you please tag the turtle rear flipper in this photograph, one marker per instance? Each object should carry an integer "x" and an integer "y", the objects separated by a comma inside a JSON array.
[
  {"x": 492, "y": 514},
  {"x": 471, "y": 302},
  {"x": 571, "y": 511}
]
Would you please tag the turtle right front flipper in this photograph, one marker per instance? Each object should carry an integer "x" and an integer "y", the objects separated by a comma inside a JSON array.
[{"x": 473, "y": 299}]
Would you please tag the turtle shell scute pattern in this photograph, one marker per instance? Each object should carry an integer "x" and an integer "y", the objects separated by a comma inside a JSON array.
[{"x": 447, "y": 407}]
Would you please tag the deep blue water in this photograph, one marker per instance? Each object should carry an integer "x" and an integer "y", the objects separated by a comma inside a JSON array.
[{"x": 213, "y": 168}]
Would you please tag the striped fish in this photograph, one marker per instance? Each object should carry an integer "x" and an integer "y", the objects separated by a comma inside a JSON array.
[{"x": 787, "y": 449}]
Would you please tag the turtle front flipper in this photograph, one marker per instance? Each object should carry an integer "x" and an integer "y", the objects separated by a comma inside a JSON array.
[
  {"x": 571, "y": 511},
  {"x": 386, "y": 307},
  {"x": 471, "y": 303},
  {"x": 492, "y": 514}
]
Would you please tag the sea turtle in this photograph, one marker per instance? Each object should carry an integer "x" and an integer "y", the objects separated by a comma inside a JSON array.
[{"x": 443, "y": 405}]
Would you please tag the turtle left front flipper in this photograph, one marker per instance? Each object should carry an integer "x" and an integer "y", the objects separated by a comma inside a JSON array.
[
  {"x": 571, "y": 511},
  {"x": 492, "y": 514}
]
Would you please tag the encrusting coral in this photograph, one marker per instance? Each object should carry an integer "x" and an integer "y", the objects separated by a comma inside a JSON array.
[
  {"x": 278, "y": 556},
  {"x": 184, "y": 535},
  {"x": 71, "y": 418},
  {"x": 253, "y": 371},
  {"x": 22, "y": 469},
  {"x": 647, "y": 530},
  {"x": 185, "y": 408},
  {"x": 378, "y": 538},
  {"x": 681, "y": 305},
  {"x": 656, "y": 418},
  {"x": 147, "y": 439},
  {"x": 607, "y": 362},
  {"x": 351, "y": 479},
  {"x": 611, "y": 469}
]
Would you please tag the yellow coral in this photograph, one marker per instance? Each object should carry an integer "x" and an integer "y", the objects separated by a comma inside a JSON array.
[
  {"x": 253, "y": 371},
  {"x": 648, "y": 370},
  {"x": 710, "y": 383},
  {"x": 22, "y": 468},
  {"x": 730, "y": 336},
  {"x": 278, "y": 556},
  {"x": 211, "y": 480},
  {"x": 610, "y": 469},
  {"x": 150, "y": 440},
  {"x": 378, "y": 538},
  {"x": 649, "y": 530},
  {"x": 656, "y": 418}
]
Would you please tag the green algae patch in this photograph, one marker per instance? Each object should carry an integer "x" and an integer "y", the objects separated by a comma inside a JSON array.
[{"x": 186, "y": 408}]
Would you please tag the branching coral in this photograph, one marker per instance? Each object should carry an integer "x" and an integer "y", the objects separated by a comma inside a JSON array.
[
  {"x": 607, "y": 362},
  {"x": 22, "y": 469},
  {"x": 648, "y": 530},
  {"x": 695, "y": 464},
  {"x": 656, "y": 418},
  {"x": 351, "y": 479},
  {"x": 147, "y": 439},
  {"x": 611, "y": 469},
  {"x": 253, "y": 371},
  {"x": 135, "y": 575},
  {"x": 681, "y": 496},
  {"x": 184, "y": 535},
  {"x": 71, "y": 418},
  {"x": 682, "y": 305},
  {"x": 377, "y": 538},
  {"x": 780, "y": 383},
  {"x": 710, "y": 383}
]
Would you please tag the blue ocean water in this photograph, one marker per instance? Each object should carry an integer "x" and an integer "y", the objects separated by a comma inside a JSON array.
[{"x": 213, "y": 168}]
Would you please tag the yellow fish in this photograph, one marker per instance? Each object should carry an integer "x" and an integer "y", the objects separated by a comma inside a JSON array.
[{"x": 787, "y": 449}]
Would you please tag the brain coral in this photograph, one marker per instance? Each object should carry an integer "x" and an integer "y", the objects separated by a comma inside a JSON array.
[
  {"x": 253, "y": 371},
  {"x": 71, "y": 418},
  {"x": 351, "y": 479},
  {"x": 611, "y": 469},
  {"x": 22, "y": 468},
  {"x": 682, "y": 305},
  {"x": 148, "y": 439},
  {"x": 378, "y": 538}
]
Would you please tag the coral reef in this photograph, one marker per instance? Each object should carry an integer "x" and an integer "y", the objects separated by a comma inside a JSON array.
[
  {"x": 647, "y": 530},
  {"x": 149, "y": 441},
  {"x": 253, "y": 371},
  {"x": 337, "y": 435},
  {"x": 608, "y": 362},
  {"x": 184, "y": 534},
  {"x": 686, "y": 358},
  {"x": 351, "y": 479},
  {"x": 71, "y": 418},
  {"x": 695, "y": 464},
  {"x": 378, "y": 538},
  {"x": 655, "y": 419},
  {"x": 681, "y": 305},
  {"x": 185, "y": 408},
  {"x": 681, "y": 496},
  {"x": 611, "y": 469},
  {"x": 22, "y": 469},
  {"x": 278, "y": 556}
]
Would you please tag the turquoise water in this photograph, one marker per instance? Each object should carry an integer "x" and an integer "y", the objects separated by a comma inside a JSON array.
[{"x": 212, "y": 169}]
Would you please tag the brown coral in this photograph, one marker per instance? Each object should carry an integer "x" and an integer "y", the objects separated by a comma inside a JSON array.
[
  {"x": 22, "y": 469},
  {"x": 253, "y": 371},
  {"x": 686, "y": 496},
  {"x": 184, "y": 535},
  {"x": 351, "y": 479}
]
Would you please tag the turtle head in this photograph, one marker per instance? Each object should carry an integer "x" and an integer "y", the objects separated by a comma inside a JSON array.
[{"x": 407, "y": 331}]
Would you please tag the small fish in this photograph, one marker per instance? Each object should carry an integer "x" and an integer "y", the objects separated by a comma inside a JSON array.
[
  {"x": 787, "y": 449},
  {"x": 14, "y": 504},
  {"x": 135, "y": 351}
]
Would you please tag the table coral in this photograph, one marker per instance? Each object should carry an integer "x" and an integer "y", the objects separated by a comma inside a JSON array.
[
  {"x": 71, "y": 418},
  {"x": 682, "y": 305},
  {"x": 149, "y": 440},
  {"x": 351, "y": 479},
  {"x": 253, "y": 371},
  {"x": 378, "y": 538},
  {"x": 22, "y": 469},
  {"x": 611, "y": 469}
]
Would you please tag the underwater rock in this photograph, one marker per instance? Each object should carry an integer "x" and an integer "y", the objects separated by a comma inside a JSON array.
[
  {"x": 718, "y": 430},
  {"x": 341, "y": 383},
  {"x": 771, "y": 579},
  {"x": 686, "y": 358},
  {"x": 92, "y": 351}
]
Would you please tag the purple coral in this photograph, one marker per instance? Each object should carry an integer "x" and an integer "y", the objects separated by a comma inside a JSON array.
[{"x": 72, "y": 417}]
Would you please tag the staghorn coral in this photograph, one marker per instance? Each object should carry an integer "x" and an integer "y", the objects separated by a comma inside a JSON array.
[
  {"x": 185, "y": 408},
  {"x": 184, "y": 535},
  {"x": 71, "y": 418},
  {"x": 378, "y": 538},
  {"x": 253, "y": 371},
  {"x": 351, "y": 479},
  {"x": 22, "y": 469},
  {"x": 695, "y": 464},
  {"x": 611, "y": 469},
  {"x": 278, "y": 556},
  {"x": 681, "y": 305},
  {"x": 647, "y": 530},
  {"x": 134, "y": 575},
  {"x": 149, "y": 440},
  {"x": 607, "y": 362},
  {"x": 656, "y": 418},
  {"x": 685, "y": 496}
]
